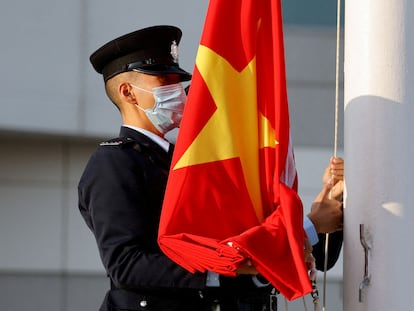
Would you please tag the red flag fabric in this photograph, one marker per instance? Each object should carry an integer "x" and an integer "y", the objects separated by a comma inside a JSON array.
[{"x": 231, "y": 193}]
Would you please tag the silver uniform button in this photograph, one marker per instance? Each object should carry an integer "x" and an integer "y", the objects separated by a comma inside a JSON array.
[{"x": 143, "y": 303}]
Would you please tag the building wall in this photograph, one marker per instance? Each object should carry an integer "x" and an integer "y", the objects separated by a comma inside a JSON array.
[{"x": 54, "y": 113}]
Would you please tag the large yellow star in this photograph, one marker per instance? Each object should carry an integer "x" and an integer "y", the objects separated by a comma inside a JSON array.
[{"x": 233, "y": 129}]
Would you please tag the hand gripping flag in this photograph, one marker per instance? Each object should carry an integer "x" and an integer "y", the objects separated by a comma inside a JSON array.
[{"x": 231, "y": 193}]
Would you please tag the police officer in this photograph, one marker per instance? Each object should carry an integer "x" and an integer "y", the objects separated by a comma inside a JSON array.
[{"x": 122, "y": 188}]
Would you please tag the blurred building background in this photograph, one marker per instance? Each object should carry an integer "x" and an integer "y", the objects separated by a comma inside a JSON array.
[{"x": 54, "y": 113}]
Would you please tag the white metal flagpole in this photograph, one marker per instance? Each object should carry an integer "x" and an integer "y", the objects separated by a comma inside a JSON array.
[{"x": 379, "y": 155}]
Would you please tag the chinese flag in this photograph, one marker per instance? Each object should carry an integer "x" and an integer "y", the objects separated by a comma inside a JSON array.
[{"x": 231, "y": 192}]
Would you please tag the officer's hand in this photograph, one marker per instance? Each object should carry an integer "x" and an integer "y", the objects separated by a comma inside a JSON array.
[
  {"x": 310, "y": 260},
  {"x": 246, "y": 267},
  {"x": 326, "y": 214},
  {"x": 334, "y": 173}
]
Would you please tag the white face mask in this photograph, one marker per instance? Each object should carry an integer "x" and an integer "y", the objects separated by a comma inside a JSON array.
[{"x": 168, "y": 109}]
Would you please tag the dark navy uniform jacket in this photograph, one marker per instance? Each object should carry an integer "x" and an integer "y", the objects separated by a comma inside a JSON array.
[{"x": 120, "y": 198}]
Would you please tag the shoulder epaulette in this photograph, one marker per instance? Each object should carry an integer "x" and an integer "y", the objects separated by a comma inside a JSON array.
[{"x": 117, "y": 141}]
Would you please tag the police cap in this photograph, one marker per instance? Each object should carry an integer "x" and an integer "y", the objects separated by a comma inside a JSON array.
[{"x": 152, "y": 50}]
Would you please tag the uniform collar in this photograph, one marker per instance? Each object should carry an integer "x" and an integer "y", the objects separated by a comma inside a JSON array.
[{"x": 164, "y": 144}]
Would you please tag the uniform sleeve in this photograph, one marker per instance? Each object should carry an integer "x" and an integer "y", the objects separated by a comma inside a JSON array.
[
  {"x": 334, "y": 249},
  {"x": 120, "y": 200}
]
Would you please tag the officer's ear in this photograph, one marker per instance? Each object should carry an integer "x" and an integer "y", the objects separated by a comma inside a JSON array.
[{"x": 126, "y": 93}]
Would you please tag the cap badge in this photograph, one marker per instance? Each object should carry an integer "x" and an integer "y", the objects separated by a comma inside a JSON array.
[{"x": 174, "y": 51}]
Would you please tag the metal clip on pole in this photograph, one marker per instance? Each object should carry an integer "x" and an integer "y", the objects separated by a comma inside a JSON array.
[{"x": 365, "y": 282}]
